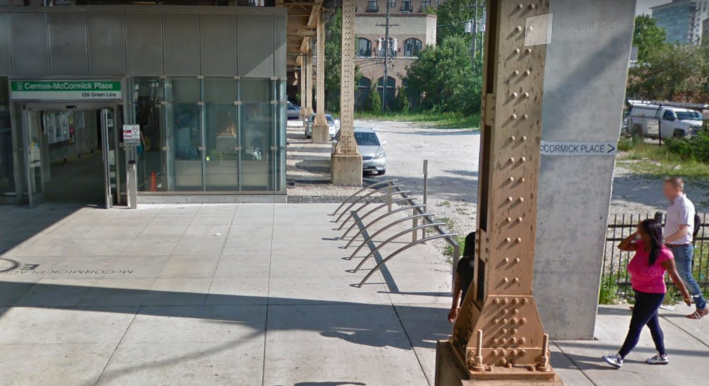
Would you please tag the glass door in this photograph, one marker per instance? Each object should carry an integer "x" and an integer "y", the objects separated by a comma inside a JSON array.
[
  {"x": 109, "y": 146},
  {"x": 32, "y": 153}
]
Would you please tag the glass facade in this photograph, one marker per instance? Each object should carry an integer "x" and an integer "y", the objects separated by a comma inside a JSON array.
[
  {"x": 211, "y": 134},
  {"x": 682, "y": 20},
  {"x": 7, "y": 176}
]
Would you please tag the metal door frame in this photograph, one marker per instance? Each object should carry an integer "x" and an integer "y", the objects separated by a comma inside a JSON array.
[
  {"x": 32, "y": 199},
  {"x": 105, "y": 141}
]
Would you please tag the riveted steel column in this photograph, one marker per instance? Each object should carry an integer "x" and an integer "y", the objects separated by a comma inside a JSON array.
[
  {"x": 346, "y": 161},
  {"x": 301, "y": 81},
  {"x": 309, "y": 85},
  {"x": 321, "y": 131}
]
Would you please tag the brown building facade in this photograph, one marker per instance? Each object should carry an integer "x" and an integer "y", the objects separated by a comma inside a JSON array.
[{"x": 410, "y": 30}]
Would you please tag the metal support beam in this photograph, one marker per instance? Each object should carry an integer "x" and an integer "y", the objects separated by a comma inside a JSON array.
[{"x": 321, "y": 131}]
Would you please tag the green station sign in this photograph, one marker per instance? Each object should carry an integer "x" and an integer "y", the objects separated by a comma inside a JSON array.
[{"x": 65, "y": 90}]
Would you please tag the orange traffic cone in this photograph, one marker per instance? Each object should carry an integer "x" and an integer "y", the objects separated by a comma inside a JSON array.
[{"x": 153, "y": 183}]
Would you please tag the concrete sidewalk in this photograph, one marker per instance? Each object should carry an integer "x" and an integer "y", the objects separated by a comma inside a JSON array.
[{"x": 249, "y": 295}]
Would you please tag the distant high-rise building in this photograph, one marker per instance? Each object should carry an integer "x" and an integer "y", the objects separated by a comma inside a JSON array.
[{"x": 682, "y": 19}]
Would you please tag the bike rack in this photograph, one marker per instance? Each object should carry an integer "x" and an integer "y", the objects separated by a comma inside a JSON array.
[
  {"x": 396, "y": 236},
  {"x": 402, "y": 249},
  {"x": 402, "y": 209},
  {"x": 389, "y": 202},
  {"x": 389, "y": 193},
  {"x": 390, "y": 182},
  {"x": 377, "y": 233}
]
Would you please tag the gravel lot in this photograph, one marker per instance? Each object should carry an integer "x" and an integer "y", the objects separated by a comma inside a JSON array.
[{"x": 452, "y": 175}]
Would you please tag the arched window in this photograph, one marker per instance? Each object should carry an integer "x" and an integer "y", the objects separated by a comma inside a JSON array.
[
  {"x": 363, "y": 88},
  {"x": 364, "y": 48},
  {"x": 412, "y": 47},
  {"x": 391, "y": 91}
]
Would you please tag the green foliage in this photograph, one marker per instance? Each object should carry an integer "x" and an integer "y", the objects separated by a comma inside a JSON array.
[
  {"x": 609, "y": 290},
  {"x": 678, "y": 157},
  {"x": 694, "y": 148},
  {"x": 401, "y": 103},
  {"x": 442, "y": 76},
  {"x": 333, "y": 58},
  {"x": 452, "y": 16},
  {"x": 374, "y": 101},
  {"x": 647, "y": 37},
  {"x": 671, "y": 72},
  {"x": 435, "y": 120}
]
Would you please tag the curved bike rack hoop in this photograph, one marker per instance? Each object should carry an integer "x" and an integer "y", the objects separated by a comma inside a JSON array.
[
  {"x": 392, "y": 238},
  {"x": 389, "y": 202},
  {"x": 387, "y": 214},
  {"x": 377, "y": 233},
  {"x": 391, "y": 189},
  {"x": 402, "y": 249},
  {"x": 390, "y": 182}
]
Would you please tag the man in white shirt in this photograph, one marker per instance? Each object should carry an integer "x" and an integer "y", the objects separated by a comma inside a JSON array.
[{"x": 679, "y": 227}]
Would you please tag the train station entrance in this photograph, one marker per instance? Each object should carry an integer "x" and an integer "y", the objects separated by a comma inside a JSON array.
[{"x": 69, "y": 153}]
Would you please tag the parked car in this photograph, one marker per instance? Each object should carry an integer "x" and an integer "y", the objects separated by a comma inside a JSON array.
[
  {"x": 655, "y": 121},
  {"x": 293, "y": 111},
  {"x": 371, "y": 148},
  {"x": 333, "y": 125}
]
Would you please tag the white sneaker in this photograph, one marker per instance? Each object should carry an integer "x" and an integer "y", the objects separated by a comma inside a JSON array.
[
  {"x": 614, "y": 360},
  {"x": 659, "y": 360}
]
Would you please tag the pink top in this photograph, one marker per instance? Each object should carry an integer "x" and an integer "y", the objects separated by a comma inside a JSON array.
[{"x": 646, "y": 278}]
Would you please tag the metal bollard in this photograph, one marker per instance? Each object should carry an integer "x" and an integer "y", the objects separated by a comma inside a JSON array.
[
  {"x": 132, "y": 185},
  {"x": 425, "y": 191},
  {"x": 416, "y": 223}
]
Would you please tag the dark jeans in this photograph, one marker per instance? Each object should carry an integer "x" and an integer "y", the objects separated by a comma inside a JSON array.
[
  {"x": 644, "y": 314},
  {"x": 684, "y": 256}
]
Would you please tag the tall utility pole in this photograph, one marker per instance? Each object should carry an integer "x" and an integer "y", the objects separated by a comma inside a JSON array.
[
  {"x": 474, "y": 41},
  {"x": 385, "y": 81}
]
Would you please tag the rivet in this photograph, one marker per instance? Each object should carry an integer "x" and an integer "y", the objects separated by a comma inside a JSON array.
[
  {"x": 503, "y": 340},
  {"x": 523, "y": 353},
  {"x": 525, "y": 95},
  {"x": 514, "y": 320},
  {"x": 496, "y": 301},
  {"x": 516, "y": 51},
  {"x": 519, "y": 219},
  {"x": 528, "y": 51},
  {"x": 512, "y": 160},
  {"x": 509, "y": 364},
  {"x": 503, "y": 361},
  {"x": 510, "y": 199},
  {"x": 515, "y": 301},
  {"x": 517, "y": 261},
  {"x": 532, "y": 6},
  {"x": 521, "y": 199},
  {"x": 524, "y": 301},
  {"x": 516, "y": 280},
  {"x": 507, "y": 239},
  {"x": 515, "y": 73},
  {"x": 524, "y": 138},
  {"x": 523, "y": 321},
  {"x": 514, "y": 331},
  {"x": 521, "y": 179},
  {"x": 530, "y": 28},
  {"x": 513, "y": 340},
  {"x": 507, "y": 259},
  {"x": 504, "y": 312},
  {"x": 520, "y": 6},
  {"x": 511, "y": 179},
  {"x": 494, "y": 352},
  {"x": 512, "y": 138},
  {"x": 508, "y": 220},
  {"x": 528, "y": 73},
  {"x": 505, "y": 301},
  {"x": 523, "y": 159},
  {"x": 505, "y": 280},
  {"x": 523, "y": 340},
  {"x": 519, "y": 239},
  {"x": 518, "y": 29},
  {"x": 503, "y": 331},
  {"x": 513, "y": 117},
  {"x": 495, "y": 341},
  {"x": 515, "y": 311},
  {"x": 525, "y": 117},
  {"x": 495, "y": 321}
]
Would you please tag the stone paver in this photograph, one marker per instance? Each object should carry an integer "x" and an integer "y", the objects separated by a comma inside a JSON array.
[{"x": 258, "y": 294}]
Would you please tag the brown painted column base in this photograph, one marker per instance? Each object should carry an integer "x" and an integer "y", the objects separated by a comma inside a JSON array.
[
  {"x": 346, "y": 169},
  {"x": 450, "y": 372},
  {"x": 321, "y": 132}
]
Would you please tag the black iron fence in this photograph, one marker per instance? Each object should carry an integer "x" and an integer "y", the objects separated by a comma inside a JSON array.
[{"x": 615, "y": 280}]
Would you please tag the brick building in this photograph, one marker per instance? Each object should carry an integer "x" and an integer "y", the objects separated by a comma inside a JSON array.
[{"x": 410, "y": 30}]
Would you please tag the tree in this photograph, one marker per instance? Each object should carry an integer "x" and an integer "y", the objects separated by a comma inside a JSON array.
[
  {"x": 648, "y": 36},
  {"x": 452, "y": 16},
  {"x": 333, "y": 61},
  {"x": 401, "y": 103},
  {"x": 442, "y": 77},
  {"x": 671, "y": 73},
  {"x": 374, "y": 101}
]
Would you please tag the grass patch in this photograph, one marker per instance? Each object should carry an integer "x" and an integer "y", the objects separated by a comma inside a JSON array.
[
  {"x": 449, "y": 249},
  {"x": 655, "y": 161},
  {"x": 445, "y": 203},
  {"x": 609, "y": 291},
  {"x": 449, "y": 223},
  {"x": 433, "y": 119}
]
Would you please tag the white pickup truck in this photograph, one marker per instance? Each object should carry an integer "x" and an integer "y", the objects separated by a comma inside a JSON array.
[{"x": 655, "y": 121}]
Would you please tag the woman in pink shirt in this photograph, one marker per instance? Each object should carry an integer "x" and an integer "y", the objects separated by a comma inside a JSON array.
[{"x": 647, "y": 276}]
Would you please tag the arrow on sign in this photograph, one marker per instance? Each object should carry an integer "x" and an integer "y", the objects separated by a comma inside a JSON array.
[{"x": 612, "y": 148}]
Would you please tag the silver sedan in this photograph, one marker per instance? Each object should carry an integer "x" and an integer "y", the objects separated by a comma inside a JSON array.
[
  {"x": 371, "y": 148},
  {"x": 333, "y": 125}
]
